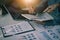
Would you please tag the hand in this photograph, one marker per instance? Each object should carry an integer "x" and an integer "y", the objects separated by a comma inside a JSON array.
[{"x": 50, "y": 8}]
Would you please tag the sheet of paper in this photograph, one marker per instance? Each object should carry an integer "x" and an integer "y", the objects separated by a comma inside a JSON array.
[
  {"x": 18, "y": 28},
  {"x": 42, "y": 17}
]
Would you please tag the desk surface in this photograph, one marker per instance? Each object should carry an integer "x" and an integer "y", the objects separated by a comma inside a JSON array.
[{"x": 8, "y": 20}]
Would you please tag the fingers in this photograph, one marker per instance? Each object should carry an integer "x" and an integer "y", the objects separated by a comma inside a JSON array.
[{"x": 50, "y": 8}]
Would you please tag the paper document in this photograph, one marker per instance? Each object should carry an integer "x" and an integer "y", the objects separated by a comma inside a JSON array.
[
  {"x": 42, "y": 17},
  {"x": 18, "y": 28}
]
